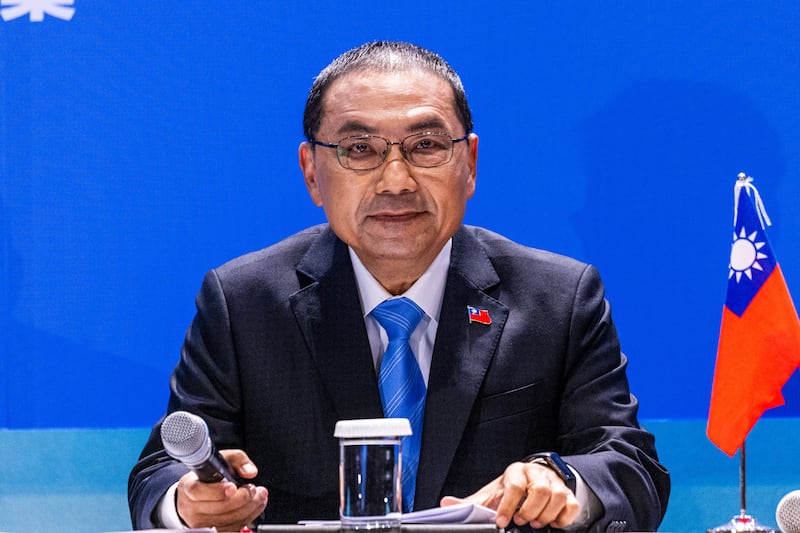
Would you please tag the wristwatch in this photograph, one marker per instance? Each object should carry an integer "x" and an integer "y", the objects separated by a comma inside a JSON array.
[{"x": 554, "y": 461}]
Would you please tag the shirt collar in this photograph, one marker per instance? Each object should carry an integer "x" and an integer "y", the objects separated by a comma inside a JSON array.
[{"x": 426, "y": 292}]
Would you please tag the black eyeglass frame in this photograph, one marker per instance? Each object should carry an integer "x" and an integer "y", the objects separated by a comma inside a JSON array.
[{"x": 389, "y": 145}]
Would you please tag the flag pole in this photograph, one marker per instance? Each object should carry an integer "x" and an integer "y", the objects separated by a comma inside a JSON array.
[
  {"x": 742, "y": 481},
  {"x": 742, "y": 522}
]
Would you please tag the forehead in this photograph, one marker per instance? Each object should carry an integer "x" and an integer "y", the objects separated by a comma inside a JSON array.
[{"x": 372, "y": 101}]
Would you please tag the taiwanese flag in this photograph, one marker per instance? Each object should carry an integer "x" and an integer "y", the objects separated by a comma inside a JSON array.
[
  {"x": 759, "y": 339},
  {"x": 478, "y": 315}
]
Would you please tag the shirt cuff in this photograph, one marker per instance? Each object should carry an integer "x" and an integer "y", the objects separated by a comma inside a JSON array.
[
  {"x": 167, "y": 510},
  {"x": 591, "y": 508}
]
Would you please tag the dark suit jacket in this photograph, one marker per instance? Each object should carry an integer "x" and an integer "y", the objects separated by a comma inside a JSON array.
[{"x": 278, "y": 352}]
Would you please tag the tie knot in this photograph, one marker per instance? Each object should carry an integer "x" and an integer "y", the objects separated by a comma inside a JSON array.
[{"x": 398, "y": 316}]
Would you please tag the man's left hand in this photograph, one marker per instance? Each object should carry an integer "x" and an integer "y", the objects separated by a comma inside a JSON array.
[{"x": 527, "y": 493}]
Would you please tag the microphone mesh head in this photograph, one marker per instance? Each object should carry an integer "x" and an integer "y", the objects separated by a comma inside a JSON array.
[
  {"x": 183, "y": 434},
  {"x": 788, "y": 513}
]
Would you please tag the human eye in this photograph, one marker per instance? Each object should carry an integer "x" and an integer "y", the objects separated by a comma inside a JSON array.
[
  {"x": 359, "y": 148},
  {"x": 430, "y": 142}
]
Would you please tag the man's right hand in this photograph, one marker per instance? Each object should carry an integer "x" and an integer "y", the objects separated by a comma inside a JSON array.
[
  {"x": 526, "y": 493},
  {"x": 222, "y": 505}
]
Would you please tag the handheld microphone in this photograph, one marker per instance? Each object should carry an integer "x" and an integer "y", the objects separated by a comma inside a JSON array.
[
  {"x": 185, "y": 438},
  {"x": 788, "y": 513}
]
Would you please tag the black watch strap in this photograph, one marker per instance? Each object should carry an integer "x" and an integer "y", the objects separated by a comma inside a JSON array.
[{"x": 554, "y": 461}]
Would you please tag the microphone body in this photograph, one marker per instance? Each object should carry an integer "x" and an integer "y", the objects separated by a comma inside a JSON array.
[
  {"x": 788, "y": 513},
  {"x": 185, "y": 437}
]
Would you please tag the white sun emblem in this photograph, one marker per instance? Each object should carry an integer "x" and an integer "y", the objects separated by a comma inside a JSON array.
[{"x": 745, "y": 255}]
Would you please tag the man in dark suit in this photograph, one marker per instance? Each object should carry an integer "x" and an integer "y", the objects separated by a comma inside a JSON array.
[{"x": 520, "y": 358}]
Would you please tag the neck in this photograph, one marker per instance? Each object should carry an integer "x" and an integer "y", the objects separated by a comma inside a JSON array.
[
  {"x": 396, "y": 274},
  {"x": 396, "y": 280}
]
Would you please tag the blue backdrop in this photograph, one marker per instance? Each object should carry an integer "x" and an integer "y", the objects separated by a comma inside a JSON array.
[{"x": 144, "y": 143}]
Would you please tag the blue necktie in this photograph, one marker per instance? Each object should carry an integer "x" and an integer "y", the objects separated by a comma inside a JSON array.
[{"x": 401, "y": 384}]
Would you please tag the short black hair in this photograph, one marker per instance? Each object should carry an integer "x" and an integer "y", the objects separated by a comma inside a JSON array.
[{"x": 383, "y": 56}]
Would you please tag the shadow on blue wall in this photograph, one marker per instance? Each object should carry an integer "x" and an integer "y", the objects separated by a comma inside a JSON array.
[
  {"x": 675, "y": 152},
  {"x": 50, "y": 380}
]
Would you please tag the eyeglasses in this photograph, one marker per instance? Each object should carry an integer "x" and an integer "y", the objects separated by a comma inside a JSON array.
[{"x": 365, "y": 152}]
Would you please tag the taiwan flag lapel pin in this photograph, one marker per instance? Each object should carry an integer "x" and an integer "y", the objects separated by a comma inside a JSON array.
[{"x": 480, "y": 316}]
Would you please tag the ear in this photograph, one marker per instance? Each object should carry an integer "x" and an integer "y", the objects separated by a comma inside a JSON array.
[
  {"x": 305, "y": 154},
  {"x": 472, "y": 162}
]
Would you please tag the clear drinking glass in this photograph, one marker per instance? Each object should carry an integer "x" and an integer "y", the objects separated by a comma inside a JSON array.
[{"x": 370, "y": 466}]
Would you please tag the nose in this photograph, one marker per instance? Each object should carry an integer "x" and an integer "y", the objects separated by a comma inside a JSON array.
[{"x": 395, "y": 173}]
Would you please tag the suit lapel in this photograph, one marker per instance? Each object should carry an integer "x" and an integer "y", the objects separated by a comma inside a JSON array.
[
  {"x": 329, "y": 314},
  {"x": 462, "y": 353}
]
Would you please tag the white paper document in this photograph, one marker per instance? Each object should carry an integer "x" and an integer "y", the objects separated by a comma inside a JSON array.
[
  {"x": 196, "y": 530},
  {"x": 461, "y": 513}
]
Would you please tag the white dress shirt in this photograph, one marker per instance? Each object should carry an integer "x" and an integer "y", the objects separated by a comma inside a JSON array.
[{"x": 426, "y": 292}]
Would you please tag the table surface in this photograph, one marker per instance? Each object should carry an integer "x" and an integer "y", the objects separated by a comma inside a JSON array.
[{"x": 409, "y": 528}]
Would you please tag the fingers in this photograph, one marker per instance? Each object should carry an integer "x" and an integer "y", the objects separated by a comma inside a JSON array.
[
  {"x": 512, "y": 494},
  {"x": 222, "y": 505},
  {"x": 240, "y": 462},
  {"x": 527, "y": 493},
  {"x": 547, "y": 501},
  {"x": 246, "y": 504},
  {"x": 488, "y": 495},
  {"x": 451, "y": 500}
]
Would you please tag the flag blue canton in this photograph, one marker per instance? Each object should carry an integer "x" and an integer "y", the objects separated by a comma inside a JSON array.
[{"x": 752, "y": 260}]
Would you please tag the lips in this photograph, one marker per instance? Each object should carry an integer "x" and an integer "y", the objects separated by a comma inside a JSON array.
[
  {"x": 395, "y": 209},
  {"x": 395, "y": 217}
]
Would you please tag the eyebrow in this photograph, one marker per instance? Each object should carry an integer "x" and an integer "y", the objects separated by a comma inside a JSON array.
[
  {"x": 434, "y": 123},
  {"x": 356, "y": 127}
]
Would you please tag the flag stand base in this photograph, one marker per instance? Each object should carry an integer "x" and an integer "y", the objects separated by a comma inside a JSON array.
[{"x": 741, "y": 523}]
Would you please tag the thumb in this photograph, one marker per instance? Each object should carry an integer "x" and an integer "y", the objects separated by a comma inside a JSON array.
[
  {"x": 451, "y": 500},
  {"x": 240, "y": 462},
  {"x": 488, "y": 496}
]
